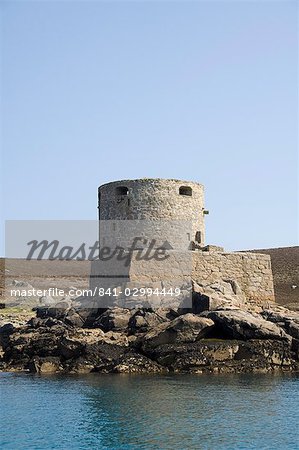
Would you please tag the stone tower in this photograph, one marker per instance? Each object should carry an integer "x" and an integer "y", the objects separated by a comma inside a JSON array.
[
  {"x": 170, "y": 212},
  {"x": 154, "y": 199}
]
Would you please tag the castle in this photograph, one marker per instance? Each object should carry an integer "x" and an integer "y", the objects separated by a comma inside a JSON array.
[{"x": 173, "y": 212}]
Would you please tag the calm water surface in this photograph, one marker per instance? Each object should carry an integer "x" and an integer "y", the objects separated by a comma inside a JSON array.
[{"x": 149, "y": 412}]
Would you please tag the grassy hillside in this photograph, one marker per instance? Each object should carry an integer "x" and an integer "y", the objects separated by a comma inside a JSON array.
[{"x": 285, "y": 267}]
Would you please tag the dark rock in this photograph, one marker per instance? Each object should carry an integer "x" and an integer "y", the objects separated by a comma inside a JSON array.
[
  {"x": 35, "y": 322},
  {"x": 225, "y": 356},
  {"x": 102, "y": 356},
  {"x": 71, "y": 316},
  {"x": 44, "y": 365},
  {"x": 288, "y": 320},
  {"x": 79, "y": 366},
  {"x": 137, "y": 363},
  {"x": 237, "y": 324},
  {"x": 113, "y": 319},
  {"x": 58, "y": 311},
  {"x": 149, "y": 341},
  {"x": 70, "y": 348},
  {"x": 44, "y": 344},
  {"x": 29, "y": 342},
  {"x": 144, "y": 320},
  {"x": 89, "y": 315},
  {"x": 52, "y": 322},
  {"x": 295, "y": 348},
  {"x": 42, "y": 312},
  {"x": 200, "y": 302},
  {"x": 74, "y": 320},
  {"x": 187, "y": 328},
  {"x": 7, "y": 329},
  {"x": 47, "y": 322}
]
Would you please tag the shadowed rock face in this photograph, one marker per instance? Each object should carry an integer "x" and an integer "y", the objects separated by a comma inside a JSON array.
[
  {"x": 116, "y": 319},
  {"x": 147, "y": 341},
  {"x": 221, "y": 294},
  {"x": 185, "y": 328},
  {"x": 287, "y": 320},
  {"x": 239, "y": 324},
  {"x": 225, "y": 356}
]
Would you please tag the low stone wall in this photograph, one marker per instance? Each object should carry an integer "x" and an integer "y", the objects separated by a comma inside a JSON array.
[{"x": 252, "y": 271}]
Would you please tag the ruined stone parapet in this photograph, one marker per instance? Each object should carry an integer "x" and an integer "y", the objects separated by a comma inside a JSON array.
[{"x": 252, "y": 271}]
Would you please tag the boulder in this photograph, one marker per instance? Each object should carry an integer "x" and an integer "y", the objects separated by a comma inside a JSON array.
[
  {"x": 113, "y": 319},
  {"x": 114, "y": 337},
  {"x": 66, "y": 312},
  {"x": 286, "y": 319},
  {"x": 145, "y": 319},
  {"x": 70, "y": 348},
  {"x": 239, "y": 324},
  {"x": 57, "y": 311},
  {"x": 36, "y": 322},
  {"x": 45, "y": 365},
  {"x": 74, "y": 319},
  {"x": 5, "y": 331},
  {"x": 136, "y": 363},
  {"x": 96, "y": 335},
  {"x": 88, "y": 314},
  {"x": 28, "y": 342},
  {"x": 185, "y": 328},
  {"x": 102, "y": 356},
  {"x": 47, "y": 300},
  {"x": 43, "y": 312},
  {"x": 47, "y": 322},
  {"x": 223, "y": 294},
  {"x": 86, "y": 336}
]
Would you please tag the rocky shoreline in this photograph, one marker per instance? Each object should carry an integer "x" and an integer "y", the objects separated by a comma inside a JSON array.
[{"x": 67, "y": 339}]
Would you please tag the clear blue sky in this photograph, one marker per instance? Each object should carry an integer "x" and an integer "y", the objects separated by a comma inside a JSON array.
[{"x": 206, "y": 91}]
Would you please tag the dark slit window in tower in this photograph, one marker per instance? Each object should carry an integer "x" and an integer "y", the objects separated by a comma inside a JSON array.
[
  {"x": 198, "y": 237},
  {"x": 185, "y": 190},
  {"x": 122, "y": 190}
]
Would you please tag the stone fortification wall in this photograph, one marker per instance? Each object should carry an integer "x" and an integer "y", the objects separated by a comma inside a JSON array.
[{"x": 251, "y": 271}]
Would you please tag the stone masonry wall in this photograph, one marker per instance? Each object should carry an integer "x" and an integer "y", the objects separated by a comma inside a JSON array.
[
  {"x": 252, "y": 272},
  {"x": 152, "y": 200}
]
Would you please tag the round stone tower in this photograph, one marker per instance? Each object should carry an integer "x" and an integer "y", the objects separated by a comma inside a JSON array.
[{"x": 155, "y": 199}]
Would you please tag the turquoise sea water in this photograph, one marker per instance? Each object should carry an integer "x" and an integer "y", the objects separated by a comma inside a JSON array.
[{"x": 149, "y": 412}]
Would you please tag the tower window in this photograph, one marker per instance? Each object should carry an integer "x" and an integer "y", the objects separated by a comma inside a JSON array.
[
  {"x": 185, "y": 190},
  {"x": 122, "y": 190},
  {"x": 198, "y": 237}
]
